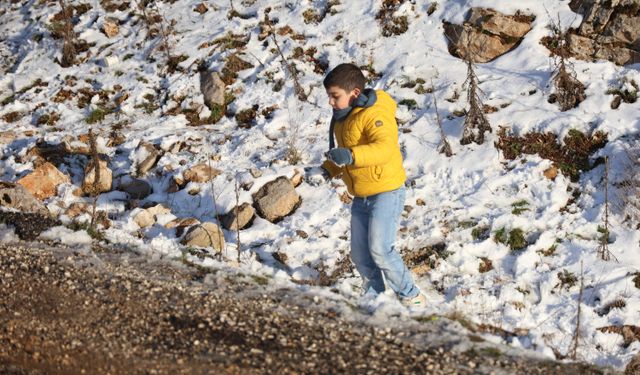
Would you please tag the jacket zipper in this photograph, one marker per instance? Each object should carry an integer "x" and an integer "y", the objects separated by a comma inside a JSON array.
[{"x": 346, "y": 167}]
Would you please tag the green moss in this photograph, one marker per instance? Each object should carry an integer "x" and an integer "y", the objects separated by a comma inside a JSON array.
[
  {"x": 516, "y": 239},
  {"x": 490, "y": 352},
  {"x": 480, "y": 233},
  {"x": 410, "y": 103},
  {"x": 96, "y": 115},
  {"x": 260, "y": 280},
  {"x": 501, "y": 236},
  {"x": 519, "y": 207}
]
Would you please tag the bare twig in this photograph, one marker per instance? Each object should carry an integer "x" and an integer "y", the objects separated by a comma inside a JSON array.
[
  {"x": 68, "y": 46},
  {"x": 576, "y": 334},
  {"x": 294, "y": 74},
  {"x": 215, "y": 206},
  {"x": 444, "y": 147},
  {"x": 603, "y": 249},
  {"x": 237, "y": 188},
  {"x": 95, "y": 186},
  {"x": 475, "y": 123}
]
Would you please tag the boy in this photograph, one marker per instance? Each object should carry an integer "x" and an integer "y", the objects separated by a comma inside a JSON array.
[{"x": 368, "y": 158}]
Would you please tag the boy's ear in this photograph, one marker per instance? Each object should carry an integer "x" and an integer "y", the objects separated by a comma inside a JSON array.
[{"x": 356, "y": 92}]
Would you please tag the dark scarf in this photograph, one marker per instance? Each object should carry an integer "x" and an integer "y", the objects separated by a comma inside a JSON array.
[{"x": 366, "y": 99}]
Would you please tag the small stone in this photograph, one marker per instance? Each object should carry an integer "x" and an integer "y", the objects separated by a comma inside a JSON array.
[
  {"x": 297, "y": 178},
  {"x": 255, "y": 172},
  {"x": 136, "y": 188},
  {"x": 110, "y": 28},
  {"x": 144, "y": 219},
  {"x": 89, "y": 187},
  {"x": 239, "y": 217},
  {"x": 205, "y": 235},
  {"x": 201, "y": 173},
  {"x": 551, "y": 173}
]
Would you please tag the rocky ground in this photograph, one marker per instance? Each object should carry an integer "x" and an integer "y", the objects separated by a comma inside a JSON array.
[{"x": 108, "y": 311}]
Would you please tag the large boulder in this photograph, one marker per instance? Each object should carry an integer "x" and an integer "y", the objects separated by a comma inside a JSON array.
[
  {"x": 205, "y": 235},
  {"x": 105, "y": 180},
  {"x": 486, "y": 34},
  {"x": 17, "y": 197},
  {"x": 276, "y": 199},
  {"x": 43, "y": 182}
]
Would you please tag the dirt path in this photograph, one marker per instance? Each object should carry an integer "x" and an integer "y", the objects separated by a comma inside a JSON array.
[{"x": 72, "y": 312}]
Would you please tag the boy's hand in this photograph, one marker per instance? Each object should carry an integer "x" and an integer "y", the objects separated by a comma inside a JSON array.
[{"x": 340, "y": 156}]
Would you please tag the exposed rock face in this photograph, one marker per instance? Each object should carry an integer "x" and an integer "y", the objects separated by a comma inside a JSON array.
[
  {"x": 212, "y": 89},
  {"x": 104, "y": 181},
  {"x": 276, "y": 199},
  {"x": 239, "y": 217},
  {"x": 610, "y": 30},
  {"x": 201, "y": 173},
  {"x": 486, "y": 34},
  {"x": 17, "y": 197},
  {"x": 43, "y": 182},
  {"x": 205, "y": 235}
]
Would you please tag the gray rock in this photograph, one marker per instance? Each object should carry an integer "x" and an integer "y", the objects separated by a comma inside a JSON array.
[
  {"x": 239, "y": 217},
  {"x": 17, "y": 197},
  {"x": 151, "y": 158},
  {"x": 136, "y": 188},
  {"x": 276, "y": 199},
  {"x": 212, "y": 89},
  {"x": 205, "y": 235}
]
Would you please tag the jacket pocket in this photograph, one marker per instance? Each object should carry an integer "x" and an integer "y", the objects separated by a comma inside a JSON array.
[{"x": 376, "y": 172}]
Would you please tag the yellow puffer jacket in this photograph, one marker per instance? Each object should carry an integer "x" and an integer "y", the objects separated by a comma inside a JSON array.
[{"x": 372, "y": 136}]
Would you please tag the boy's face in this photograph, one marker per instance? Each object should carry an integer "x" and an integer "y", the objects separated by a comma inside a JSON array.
[{"x": 340, "y": 98}]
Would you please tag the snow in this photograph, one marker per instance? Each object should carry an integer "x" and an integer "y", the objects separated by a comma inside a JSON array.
[{"x": 477, "y": 184}]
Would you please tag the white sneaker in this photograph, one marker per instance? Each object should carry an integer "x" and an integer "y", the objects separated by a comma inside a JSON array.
[{"x": 419, "y": 301}]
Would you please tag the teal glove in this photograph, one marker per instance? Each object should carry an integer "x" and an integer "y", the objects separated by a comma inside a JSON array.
[{"x": 340, "y": 156}]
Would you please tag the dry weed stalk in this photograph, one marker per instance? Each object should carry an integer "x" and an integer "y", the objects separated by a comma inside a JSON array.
[
  {"x": 629, "y": 189},
  {"x": 95, "y": 186},
  {"x": 215, "y": 208},
  {"x": 444, "y": 147},
  {"x": 237, "y": 191},
  {"x": 292, "y": 71},
  {"x": 603, "y": 248},
  {"x": 68, "y": 47},
  {"x": 475, "y": 123},
  {"x": 576, "y": 334},
  {"x": 569, "y": 91}
]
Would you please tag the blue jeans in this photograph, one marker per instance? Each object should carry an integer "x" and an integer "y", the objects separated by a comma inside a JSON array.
[{"x": 374, "y": 223}]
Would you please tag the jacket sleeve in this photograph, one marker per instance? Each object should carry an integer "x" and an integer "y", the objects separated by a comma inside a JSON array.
[
  {"x": 331, "y": 168},
  {"x": 381, "y": 131}
]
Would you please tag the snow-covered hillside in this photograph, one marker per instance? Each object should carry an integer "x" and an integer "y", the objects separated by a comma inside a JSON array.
[{"x": 457, "y": 207}]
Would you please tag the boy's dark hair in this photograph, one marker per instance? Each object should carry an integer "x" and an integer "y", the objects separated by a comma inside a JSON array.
[{"x": 346, "y": 76}]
